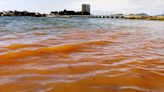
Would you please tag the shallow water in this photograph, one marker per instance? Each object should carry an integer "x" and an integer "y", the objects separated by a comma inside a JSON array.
[{"x": 81, "y": 55}]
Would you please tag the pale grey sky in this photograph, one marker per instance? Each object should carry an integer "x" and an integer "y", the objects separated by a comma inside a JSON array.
[{"x": 97, "y": 6}]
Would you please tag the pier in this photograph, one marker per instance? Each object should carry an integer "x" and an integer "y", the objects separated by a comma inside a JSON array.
[{"x": 98, "y": 16}]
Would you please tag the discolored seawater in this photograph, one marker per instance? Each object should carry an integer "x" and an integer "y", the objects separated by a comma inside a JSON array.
[{"x": 81, "y": 55}]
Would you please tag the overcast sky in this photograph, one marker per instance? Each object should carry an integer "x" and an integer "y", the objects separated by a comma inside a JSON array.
[{"x": 97, "y": 6}]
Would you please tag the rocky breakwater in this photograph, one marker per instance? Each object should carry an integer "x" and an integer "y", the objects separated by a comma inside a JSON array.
[{"x": 21, "y": 13}]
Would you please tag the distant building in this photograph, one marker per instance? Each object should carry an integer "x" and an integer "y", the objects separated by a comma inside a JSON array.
[
  {"x": 66, "y": 12},
  {"x": 86, "y": 9},
  {"x": 54, "y": 13}
]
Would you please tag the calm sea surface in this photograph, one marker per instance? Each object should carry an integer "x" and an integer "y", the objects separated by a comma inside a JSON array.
[{"x": 81, "y": 55}]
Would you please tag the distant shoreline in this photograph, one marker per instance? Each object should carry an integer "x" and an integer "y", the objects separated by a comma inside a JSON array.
[{"x": 141, "y": 16}]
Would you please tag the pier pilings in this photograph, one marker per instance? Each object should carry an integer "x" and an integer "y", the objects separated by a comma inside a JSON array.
[{"x": 98, "y": 16}]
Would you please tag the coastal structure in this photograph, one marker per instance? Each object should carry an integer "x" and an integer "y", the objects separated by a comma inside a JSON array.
[
  {"x": 84, "y": 13},
  {"x": 113, "y": 16},
  {"x": 21, "y": 13},
  {"x": 86, "y": 9}
]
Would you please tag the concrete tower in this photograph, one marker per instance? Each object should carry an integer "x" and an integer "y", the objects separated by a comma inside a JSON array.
[{"x": 86, "y": 9}]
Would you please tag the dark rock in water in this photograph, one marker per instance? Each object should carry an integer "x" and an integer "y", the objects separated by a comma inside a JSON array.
[{"x": 21, "y": 13}]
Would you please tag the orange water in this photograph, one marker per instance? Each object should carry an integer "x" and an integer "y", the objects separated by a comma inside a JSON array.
[{"x": 118, "y": 60}]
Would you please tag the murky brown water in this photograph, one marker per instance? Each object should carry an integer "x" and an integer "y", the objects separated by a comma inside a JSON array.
[{"x": 117, "y": 60}]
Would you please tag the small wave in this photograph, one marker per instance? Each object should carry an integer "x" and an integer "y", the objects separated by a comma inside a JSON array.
[
  {"x": 49, "y": 50},
  {"x": 19, "y": 46}
]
